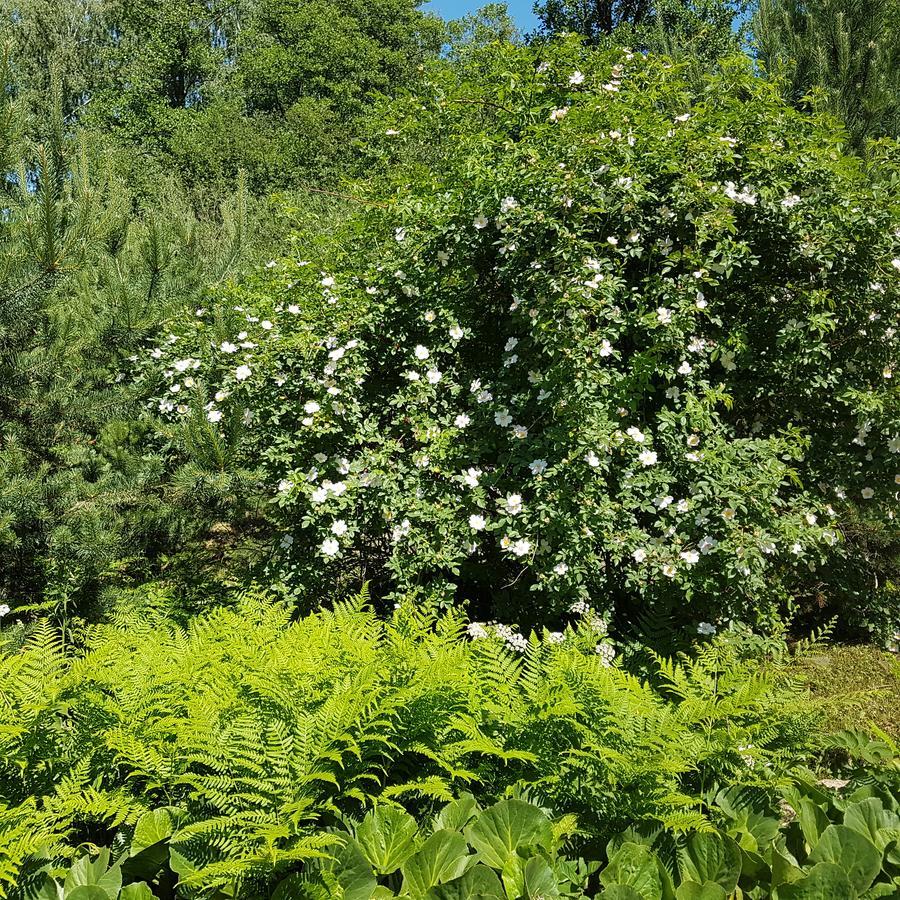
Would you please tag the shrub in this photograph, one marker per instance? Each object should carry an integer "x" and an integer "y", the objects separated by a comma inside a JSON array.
[
  {"x": 632, "y": 343},
  {"x": 259, "y": 732}
]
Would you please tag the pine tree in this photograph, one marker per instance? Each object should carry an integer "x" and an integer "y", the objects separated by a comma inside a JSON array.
[{"x": 847, "y": 49}]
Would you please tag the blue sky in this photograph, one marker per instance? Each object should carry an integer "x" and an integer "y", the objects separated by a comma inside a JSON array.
[{"x": 521, "y": 10}]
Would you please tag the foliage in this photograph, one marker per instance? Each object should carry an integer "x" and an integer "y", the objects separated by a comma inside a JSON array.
[
  {"x": 567, "y": 367},
  {"x": 261, "y": 731},
  {"x": 847, "y": 49},
  {"x": 699, "y": 31}
]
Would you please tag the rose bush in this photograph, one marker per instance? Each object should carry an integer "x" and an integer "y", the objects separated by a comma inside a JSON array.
[{"x": 626, "y": 343}]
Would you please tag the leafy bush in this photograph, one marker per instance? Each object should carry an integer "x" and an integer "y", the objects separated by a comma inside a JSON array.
[
  {"x": 258, "y": 732},
  {"x": 631, "y": 343}
]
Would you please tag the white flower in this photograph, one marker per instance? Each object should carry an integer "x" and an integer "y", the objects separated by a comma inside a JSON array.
[
  {"x": 867, "y": 493},
  {"x": 480, "y": 222},
  {"x": 706, "y": 628},
  {"x": 462, "y": 421},
  {"x": 266, "y": 325},
  {"x": 399, "y": 234},
  {"x": 330, "y": 547},
  {"x": 520, "y": 432},
  {"x": 4, "y": 610},
  {"x": 663, "y": 501},
  {"x": 513, "y": 504},
  {"x": 337, "y": 354},
  {"x": 728, "y": 514},
  {"x": 476, "y": 631},
  {"x": 503, "y": 418},
  {"x": 443, "y": 257},
  {"x": 639, "y": 555},
  {"x": 606, "y": 652},
  {"x": 558, "y": 114},
  {"x": 242, "y": 372},
  {"x": 521, "y": 547},
  {"x": 537, "y": 466},
  {"x": 471, "y": 476},
  {"x": 228, "y": 347},
  {"x": 635, "y": 434},
  {"x": 477, "y": 522},
  {"x": 285, "y": 485},
  {"x": 456, "y": 333},
  {"x": 606, "y": 348},
  {"x": 508, "y": 204},
  {"x": 319, "y": 495},
  {"x": 727, "y": 361},
  {"x": 311, "y": 407},
  {"x": 327, "y": 281},
  {"x": 294, "y": 310},
  {"x": 790, "y": 201},
  {"x": 412, "y": 375},
  {"x": 556, "y": 637},
  {"x": 647, "y": 458},
  {"x": 693, "y": 440},
  {"x": 673, "y": 393},
  {"x": 685, "y": 368},
  {"x": 433, "y": 376},
  {"x": 592, "y": 459},
  {"x": 337, "y": 488},
  {"x": 214, "y": 415},
  {"x": 894, "y": 444},
  {"x": 430, "y": 315},
  {"x": 669, "y": 570},
  {"x": 896, "y": 263},
  {"x": 664, "y": 315},
  {"x": 612, "y": 241},
  {"x": 339, "y": 527},
  {"x": 421, "y": 352},
  {"x": 708, "y": 544},
  {"x": 560, "y": 568},
  {"x": 576, "y": 78},
  {"x": 511, "y": 344},
  {"x": 690, "y": 556},
  {"x": 683, "y": 117}
]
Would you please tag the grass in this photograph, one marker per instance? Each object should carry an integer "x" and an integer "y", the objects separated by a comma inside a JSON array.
[{"x": 860, "y": 686}]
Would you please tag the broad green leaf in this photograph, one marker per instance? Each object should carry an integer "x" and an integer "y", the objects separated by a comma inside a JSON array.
[
  {"x": 871, "y": 820},
  {"x": 711, "y": 857},
  {"x": 49, "y": 890},
  {"x": 456, "y": 814},
  {"x": 152, "y": 827},
  {"x": 442, "y": 857},
  {"x": 85, "y": 873},
  {"x": 620, "y": 892},
  {"x": 540, "y": 882},
  {"x": 138, "y": 891},
  {"x": 89, "y": 892},
  {"x": 813, "y": 821},
  {"x": 354, "y": 872},
  {"x": 636, "y": 867},
  {"x": 825, "y": 881},
  {"x": 508, "y": 825},
  {"x": 513, "y": 876},
  {"x": 690, "y": 890},
  {"x": 386, "y": 837},
  {"x": 784, "y": 871},
  {"x": 850, "y": 850},
  {"x": 478, "y": 883}
]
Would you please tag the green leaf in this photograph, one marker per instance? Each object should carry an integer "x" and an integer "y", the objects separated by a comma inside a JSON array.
[
  {"x": 354, "y": 872},
  {"x": 825, "y": 881},
  {"x": 711, "y": 857},
  {"x": 540, "y": 881},
  {"x": 507, "y": 826},
  {"x": 690, "y": 890},
  {"x": 89, "y": 892},
  {"x": 152, "y": 827},
  {"x": 636, "y": 867},
  {"x": 850, "y": 850},
  {"x": 85, "y": 873},
  {"x": 479, "y": 883},
  {"x": 442, "y": 857},
  {"x": 456, "y": 814},
  {"x": 386, "y": 837},
  {"x": 871, "y": 820},
  {"x": 813, "y": 821},
  {"x": 513, "y": 875},
  {"x": 620, "y": 892},
  {"x": 138, "y": 891}
]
